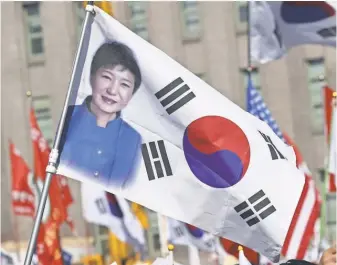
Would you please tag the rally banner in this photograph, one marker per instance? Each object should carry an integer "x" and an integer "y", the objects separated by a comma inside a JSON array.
[
  {"x": 276, "y": 26},
  {"x": 144, "y": 127}
]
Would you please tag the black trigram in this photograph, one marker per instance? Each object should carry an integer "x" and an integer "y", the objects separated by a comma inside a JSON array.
[
  {"x": 101, "y": 206},
  {"x": 327, "y": 32},
  {"x": 156, "y": 160},
  {"x": 173, "y": 98},
  {"x": 255, "y": 209},
  {"x": 274, "y": 152},
  {"x": 178, "y": 231}
]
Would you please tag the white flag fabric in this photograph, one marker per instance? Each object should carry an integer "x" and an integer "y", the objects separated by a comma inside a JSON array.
[
  {"x": 180, "y": 233},
  {"x": 113, "y": 212},
  {"x": 276, "y": 26},
  {"x": 145, "y": 128}
]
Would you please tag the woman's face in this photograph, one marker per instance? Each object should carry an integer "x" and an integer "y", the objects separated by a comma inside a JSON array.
[{"x": 112, "y": 89}]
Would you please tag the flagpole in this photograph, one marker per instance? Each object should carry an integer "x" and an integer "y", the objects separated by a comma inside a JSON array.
[
  {"x": 162, "y": 227},
  {"x": 16, "y": 235},
  {"x": 51, "y": 167},
  {"x": 324, "y": 174},
  {"x": 249, "y": 59}
]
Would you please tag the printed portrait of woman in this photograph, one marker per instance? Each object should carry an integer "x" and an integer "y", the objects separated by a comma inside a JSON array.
[{"x": 97, "y": 141}]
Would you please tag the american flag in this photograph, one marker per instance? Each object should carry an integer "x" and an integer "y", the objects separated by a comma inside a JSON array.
[
  {"x": 301, "y": 229},
  {"x": 257, "y": 107}
]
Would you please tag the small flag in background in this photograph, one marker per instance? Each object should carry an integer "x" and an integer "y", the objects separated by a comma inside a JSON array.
[
  {"x": 180, "y": 233},
  {"x": 276, "y": 26},
  {"x": 330, "y": 134},
  {"x": 23, "y": 199},
  {"x": 257, "y": 107},
  {"x": 106, "y": 209}
]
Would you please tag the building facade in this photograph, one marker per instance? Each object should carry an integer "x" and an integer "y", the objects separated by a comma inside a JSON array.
[{"x": 39, "y": 40}]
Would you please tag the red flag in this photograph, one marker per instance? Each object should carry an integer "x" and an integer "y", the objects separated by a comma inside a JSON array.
[
  {"x": 58, "y": 207},
  {"x": 52, "y": 241},
  {"x": 22, "y": 194},
  {"x": 329, "y": 107},
  {"x": 41, "y": 248}
]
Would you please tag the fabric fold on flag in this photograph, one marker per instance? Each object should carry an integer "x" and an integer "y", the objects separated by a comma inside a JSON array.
[{"x": 145, "y": 128}]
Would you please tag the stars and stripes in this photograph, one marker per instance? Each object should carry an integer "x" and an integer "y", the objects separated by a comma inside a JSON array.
[{"x": 257, "y": 107}]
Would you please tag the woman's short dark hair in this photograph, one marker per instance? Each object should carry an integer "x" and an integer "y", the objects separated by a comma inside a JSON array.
[{"x": 116, "y": 53}]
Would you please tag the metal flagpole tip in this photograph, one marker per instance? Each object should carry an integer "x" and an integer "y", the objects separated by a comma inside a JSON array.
[
  {"x": 170, "y": 247},
  {"x": 29, "y": 93},
  {"x": 240, "y": 248}
]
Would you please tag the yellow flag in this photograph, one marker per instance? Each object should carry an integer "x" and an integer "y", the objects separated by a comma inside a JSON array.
[
  {"x": 139, "y": 211},
  {"x": 106, "y": 6}
]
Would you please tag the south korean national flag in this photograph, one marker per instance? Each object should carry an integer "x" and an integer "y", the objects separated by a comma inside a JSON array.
[
  {"x": 180, "y": 233},
  {"x": 276, "y": 26},
  {"x": 203, "y": 160}
]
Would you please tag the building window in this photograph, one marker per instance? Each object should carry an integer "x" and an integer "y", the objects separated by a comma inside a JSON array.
[
  {"x": 191, "y": 19},
  {"x": 255, "y": 76},
  {"x": 41, "y": 105},
  {"x": 241, "y": 11},
  {"x": 316, "y": 70},
  {"x": 34, "y": 30},
  {"x": 80, "y": 15},
  {"x": 138, "y": 18}
]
